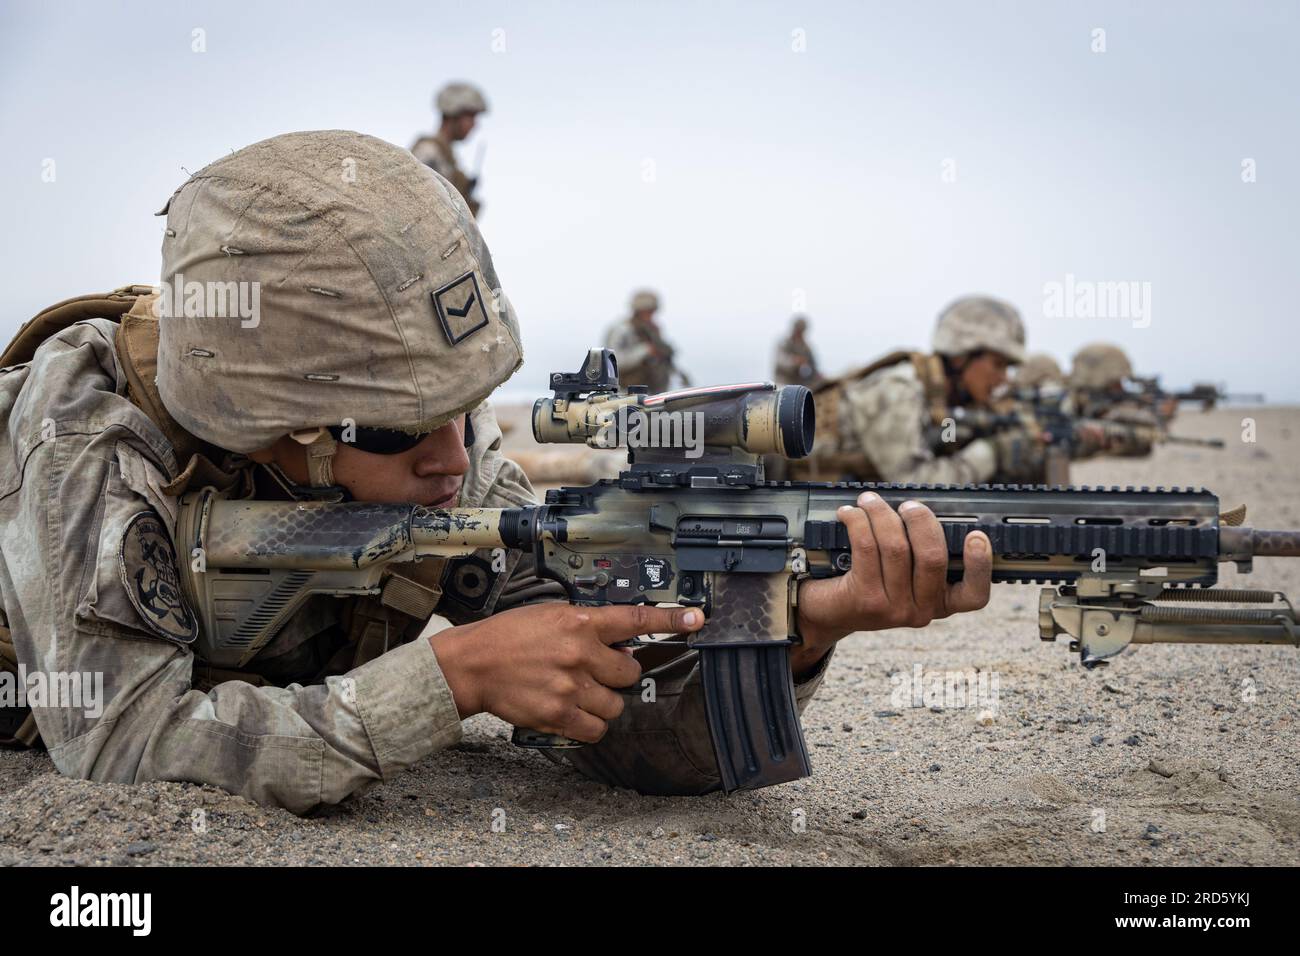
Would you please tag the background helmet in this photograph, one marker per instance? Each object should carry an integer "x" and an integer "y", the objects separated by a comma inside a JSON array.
[
  {"x": 1100, "y": 366},
  {"x": 457, "y": 98},
  {"x": 978, "y": 323},
  {"x": 1039, "y": 370},
  {"x": 645, "y": 301}
]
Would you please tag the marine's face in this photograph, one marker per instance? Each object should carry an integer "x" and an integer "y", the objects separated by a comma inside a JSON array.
[
  {"x": 428, "y": 474},
  {"x": 982, "y": 374},
  {"x": 463, "y": 125}
]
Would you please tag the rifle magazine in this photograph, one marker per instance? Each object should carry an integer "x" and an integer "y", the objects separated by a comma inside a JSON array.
[{"x": 753, "y": 719}]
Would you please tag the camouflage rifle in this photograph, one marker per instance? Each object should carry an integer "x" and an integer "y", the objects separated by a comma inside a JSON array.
[
  {"x": 1046, "y": 408},
  {"x": 1064, "y": 433},
  {"x": 1062, "y": 428},
  {"x": 1123, "y": 566},
  {"x": 1205, "y": 394}
]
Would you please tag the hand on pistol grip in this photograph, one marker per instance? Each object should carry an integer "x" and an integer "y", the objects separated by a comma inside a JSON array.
[{"x": 551, "y": 669}]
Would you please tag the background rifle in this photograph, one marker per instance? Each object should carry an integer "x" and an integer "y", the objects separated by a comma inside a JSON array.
[
  {"x": 710, "y": 532},
  {"x": 1065, "y": 434},
  {"x": 1206, "y": 394}
]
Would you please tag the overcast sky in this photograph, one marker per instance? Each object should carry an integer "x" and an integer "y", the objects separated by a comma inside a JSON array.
[{"x": 870, "y": 161}]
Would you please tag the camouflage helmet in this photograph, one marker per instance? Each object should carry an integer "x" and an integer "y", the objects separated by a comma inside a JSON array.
[
  {"x": 1038, "y": 371},
  {"x": 644, "y": 301},
  {"x": 374, "y": 296},
  {"x": 976, "y": 323},
  {"x": 1100, "y": 365},
  {"x": 457, "y": 98}
]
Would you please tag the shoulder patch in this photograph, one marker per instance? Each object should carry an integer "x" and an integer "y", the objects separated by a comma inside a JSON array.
[
  {"x": 147, "y": 562},
  {"x": 460, "y": 308}
]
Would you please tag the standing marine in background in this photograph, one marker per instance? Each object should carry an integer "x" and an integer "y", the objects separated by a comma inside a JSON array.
[
  {"x": 795, "y": 362},
  {"x": 459, "y": 105},
  {"x": 644, "y": 356},
  {"x": 881, "y": 422}
]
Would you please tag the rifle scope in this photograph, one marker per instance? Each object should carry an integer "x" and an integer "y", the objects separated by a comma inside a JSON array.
[{"x": 759, "y": 418}]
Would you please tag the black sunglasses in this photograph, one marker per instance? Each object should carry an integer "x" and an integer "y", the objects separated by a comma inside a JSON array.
[{"x": 388, "y": 441}]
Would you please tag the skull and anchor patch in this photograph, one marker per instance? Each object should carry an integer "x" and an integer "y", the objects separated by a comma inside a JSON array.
[{"x": 147, "y": 562}]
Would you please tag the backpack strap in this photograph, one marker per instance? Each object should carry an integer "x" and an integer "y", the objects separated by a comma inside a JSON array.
[
  {"x": 862, "y": 371},
  {"x": 930, "y": 372},
  {"x": 136, "y": 345},
  {"x": 835, "y": 466},
  {"x": 61, "y": 315},
  {"x": 828, "y": 392}
]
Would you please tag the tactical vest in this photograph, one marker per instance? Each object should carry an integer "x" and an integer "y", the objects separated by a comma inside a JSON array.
[
  {"x": 463, "y": 184},
  {"x": 656, "y": 371},
  {"x": 461, "y": 590},
  {"x": 854, "y": 465}
]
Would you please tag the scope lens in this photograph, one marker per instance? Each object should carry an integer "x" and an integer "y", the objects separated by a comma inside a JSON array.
[
  {"x": 797, "y": 419},
  {"x": 541, "y": 411}
]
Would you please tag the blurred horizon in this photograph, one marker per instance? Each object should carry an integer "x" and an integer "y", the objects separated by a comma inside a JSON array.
[{"x": 863, "y": 163}]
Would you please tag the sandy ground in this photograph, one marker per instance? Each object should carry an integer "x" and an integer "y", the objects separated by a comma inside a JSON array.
[{"x": 1173, "y": 755}]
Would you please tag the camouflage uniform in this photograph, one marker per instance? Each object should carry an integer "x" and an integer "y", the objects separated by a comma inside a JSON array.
[
  {"x": 644, "y": 356},
  {"x": 1136, "y": 433},
  {"x": 880, "y": 421},
  {"x": 436, "y": 151},
  {"x": 795, "y": 362},
  {"x": 86, "y": 449},
  {"x": 1097, "y": 376},
  {"x": 885, "y": 417}
]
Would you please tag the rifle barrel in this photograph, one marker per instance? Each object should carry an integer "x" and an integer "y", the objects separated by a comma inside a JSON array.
[
  {"x": 1194, "y": 442},
  {"x": 1258, "y": 543}
]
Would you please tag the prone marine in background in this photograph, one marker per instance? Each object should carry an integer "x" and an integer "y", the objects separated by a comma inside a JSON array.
[
  {"x": 894, "y": 419},
  {"x": 1205, "y": 394},
  {"x": 1039, "y": 374},
  {"x": 1099, "y": 375},
  {"x": 1099, "y": 416}
]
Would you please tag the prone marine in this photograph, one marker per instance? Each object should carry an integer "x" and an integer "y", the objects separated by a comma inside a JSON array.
[
  {"x": 880, "y": 421},
  {"x": 363, "y": 375}
]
